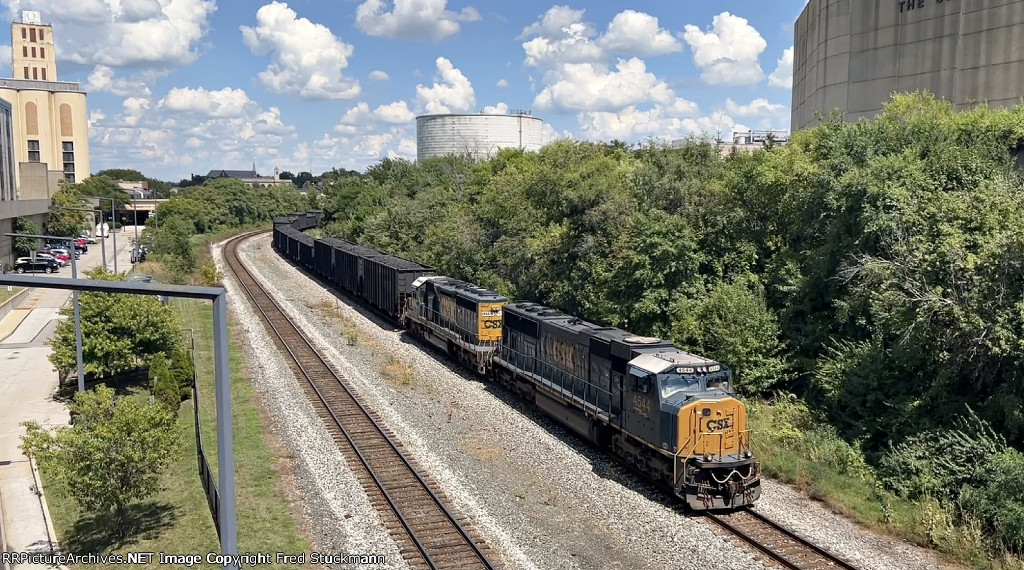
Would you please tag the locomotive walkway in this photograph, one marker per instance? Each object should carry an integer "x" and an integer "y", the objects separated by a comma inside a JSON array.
[{"x": 27, "y": 384}]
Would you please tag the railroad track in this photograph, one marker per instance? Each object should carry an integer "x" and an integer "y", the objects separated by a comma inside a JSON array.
[
  {"x": 429, "y": 535},
  {"x": 777, "y": 542}
]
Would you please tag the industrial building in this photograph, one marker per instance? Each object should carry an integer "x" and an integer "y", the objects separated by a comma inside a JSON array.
[
  {"x": 478, "y": 136},
  {"x": 853, "y": 54}
]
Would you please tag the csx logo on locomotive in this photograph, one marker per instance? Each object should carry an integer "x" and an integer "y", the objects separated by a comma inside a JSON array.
[{"x": 717, "y": 425}]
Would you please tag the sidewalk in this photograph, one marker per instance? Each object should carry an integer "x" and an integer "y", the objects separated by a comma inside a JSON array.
[{"x": 27, "y": 384}]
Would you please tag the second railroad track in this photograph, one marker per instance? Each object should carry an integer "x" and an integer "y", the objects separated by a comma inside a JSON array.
[{"x": 415, "y": 513}]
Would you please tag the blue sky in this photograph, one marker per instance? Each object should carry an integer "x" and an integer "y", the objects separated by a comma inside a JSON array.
[{"x": 185, "y": 86}]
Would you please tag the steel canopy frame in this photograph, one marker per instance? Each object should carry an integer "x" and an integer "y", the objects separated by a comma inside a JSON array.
[{"x": 225, "y": 456}]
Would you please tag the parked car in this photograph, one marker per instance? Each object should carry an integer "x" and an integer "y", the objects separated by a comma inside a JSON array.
[
  {"x": 88, "y": 238},
  {"x": 81, "y": 243},
  {"x": 65, "y": 251},
  {"x": 67, "y": 247},
  {"x": 60, "y": 255},
  {"x": 44, "y": 264}
]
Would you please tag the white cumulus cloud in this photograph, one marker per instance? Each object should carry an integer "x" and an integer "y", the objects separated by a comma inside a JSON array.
[
  {"x": 103, "y": 78},
  {"x": 585, "y": 86},
  {"x": 759, "y": 107},
  {"x": 378, "y": 75},
  {"x": 190, "y": 127},
  {"x": 397, "y": 112},
  {"x": 307, "y": 60},
  {"x": 664, "y": 122},
  {"x": 499, "y": 109},
  {"x": 561, "y": 37},
  {"x": 782, "y": 77},
  {"x": 225, "y": 102},
  {"x": 411, "y": 19},
  {"x": 156, "y": 34},
  {"x": 451, "y": 93},
  {"x": 637, "y": 33},
  {"x": 728, "y": 53}
]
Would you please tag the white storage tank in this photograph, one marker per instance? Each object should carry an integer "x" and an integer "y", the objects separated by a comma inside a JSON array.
[{"x": 480, "y": 136}]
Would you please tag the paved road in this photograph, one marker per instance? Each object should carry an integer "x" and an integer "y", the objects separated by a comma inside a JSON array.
[{"x": 27, "y": 383}]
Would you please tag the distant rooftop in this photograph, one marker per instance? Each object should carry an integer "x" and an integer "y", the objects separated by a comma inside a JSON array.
[
  {"x": 760, "y": 137},
  {"x": 231, "y": 174}
]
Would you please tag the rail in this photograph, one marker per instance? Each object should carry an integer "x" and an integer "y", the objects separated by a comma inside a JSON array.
[
  {"x": 778, "y": 542},
  {"x": 428, "y": 530}
]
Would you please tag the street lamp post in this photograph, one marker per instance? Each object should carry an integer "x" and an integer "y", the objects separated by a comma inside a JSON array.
[
  {"x": 103, "y": 243},
  {"x": 78, "y": 314},
  {"x": 113, "y": 221}
]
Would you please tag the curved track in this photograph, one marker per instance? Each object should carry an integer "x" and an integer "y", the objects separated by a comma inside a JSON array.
[
  {"x": 427, "y": 533},
  {"x": 777, "y": 542}
]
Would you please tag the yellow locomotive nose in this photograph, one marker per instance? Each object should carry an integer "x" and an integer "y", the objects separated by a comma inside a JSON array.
[{"x": 714, "y": 429}]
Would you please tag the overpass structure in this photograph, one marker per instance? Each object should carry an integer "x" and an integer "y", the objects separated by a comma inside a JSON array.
[{"x": 136, "y": 210}]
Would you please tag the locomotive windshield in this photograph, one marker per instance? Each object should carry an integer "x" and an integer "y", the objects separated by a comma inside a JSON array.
[{"x": 674, "y": 382}]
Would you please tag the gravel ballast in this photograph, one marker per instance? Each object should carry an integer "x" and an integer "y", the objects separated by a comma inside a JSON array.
[
  {"x": 341, "y": 517},
  {"x": 543, "y": 498}
]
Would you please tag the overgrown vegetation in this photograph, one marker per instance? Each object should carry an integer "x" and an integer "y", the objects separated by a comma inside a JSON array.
[{"x": 871, "y": 269}]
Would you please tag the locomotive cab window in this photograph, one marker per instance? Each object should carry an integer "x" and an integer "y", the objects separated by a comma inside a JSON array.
[
  {"x": 720, "y": 382},
  {"x": 642, "y": 384},
  {"x": 674, "y": 383}
]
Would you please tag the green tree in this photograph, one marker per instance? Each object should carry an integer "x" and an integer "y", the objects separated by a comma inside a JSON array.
[
  {"x": 103, "y": 187},
  {"x": 68, "y": 222},
  {"x": 731, "y": 324},
  {"x": 24, "y": 245},
  {"x": 183, "y": 368},
  {"x": 164, "y": 383},
  {"x": 119, "y": 332},
  {"x": 302, "y": 178},
  {"x": 126, "y": 174},
  {"x": 112, "y": 455}
]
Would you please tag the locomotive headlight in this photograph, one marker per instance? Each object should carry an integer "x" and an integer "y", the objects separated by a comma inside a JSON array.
[
  {"x": 707, "y": 457},
  {"x": 714, "y": 368}
]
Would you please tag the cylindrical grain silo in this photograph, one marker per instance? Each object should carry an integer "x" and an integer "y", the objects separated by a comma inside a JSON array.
[{"x": 479, "y": 136}]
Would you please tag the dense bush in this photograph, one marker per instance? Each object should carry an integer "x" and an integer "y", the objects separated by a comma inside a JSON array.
[
  {"x": 119, "y": 332},
  {"x": 969, "y": 466},
  {"x": 164, "y": 385}
]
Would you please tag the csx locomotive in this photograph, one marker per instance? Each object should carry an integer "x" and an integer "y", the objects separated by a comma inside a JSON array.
[{"x": 671, "y": 414}]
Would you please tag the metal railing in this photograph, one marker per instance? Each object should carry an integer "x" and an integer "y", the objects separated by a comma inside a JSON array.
[
  {"x": 570, "y": 385},
  {"x": 205, "y": 473}
]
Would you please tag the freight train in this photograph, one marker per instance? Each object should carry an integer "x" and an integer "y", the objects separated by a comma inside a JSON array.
[{"x": 671, "y": 414}]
